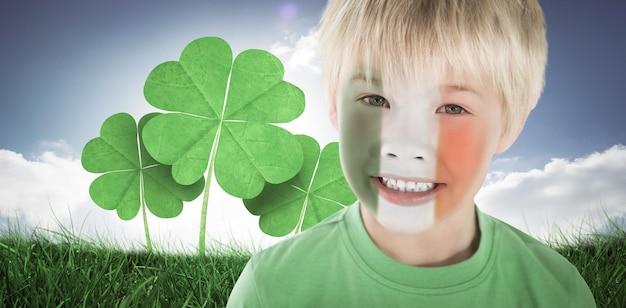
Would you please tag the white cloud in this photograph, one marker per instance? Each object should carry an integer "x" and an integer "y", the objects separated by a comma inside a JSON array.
[
  {"x": 59, "y": 146},
  {"x": 299, "y": 56},
  {"x": 51, "y": 190},
  {"x": 302, "y": 68},
  {"x": 568, "y": 197},
  {"x": 31, "y": 188}
]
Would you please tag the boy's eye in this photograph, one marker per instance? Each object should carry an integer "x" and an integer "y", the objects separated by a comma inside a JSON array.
[
  {"x": 375, "y": 100},
  {"x": 451, "y": 109}
]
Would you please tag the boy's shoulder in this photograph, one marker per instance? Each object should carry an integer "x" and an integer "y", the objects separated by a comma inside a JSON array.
[
  {"x": 532, "y": 261},
  {"x": 513, "y": 244},
  {"x": 336, "y": 262}
]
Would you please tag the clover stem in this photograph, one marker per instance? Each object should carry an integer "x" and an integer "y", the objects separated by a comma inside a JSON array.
[
  {"x": 205, "y": 199},
  {"x": 302, "y": 212},
  {"x": 144, "y": 214},
  {"x": 145, "y": 225}
]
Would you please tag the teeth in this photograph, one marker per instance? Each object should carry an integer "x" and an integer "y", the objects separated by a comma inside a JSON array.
[{"x": 407, "y": 186}]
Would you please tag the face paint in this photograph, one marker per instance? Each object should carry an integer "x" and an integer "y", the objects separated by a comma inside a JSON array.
[
  {"x": 466, "y": 144},
  {"x": 409, "y": 158}
]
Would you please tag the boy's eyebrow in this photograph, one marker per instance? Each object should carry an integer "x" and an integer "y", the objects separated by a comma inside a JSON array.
[
  {"x": 447, "y": 88},
  {"x": 360, "y": 76},
  {"x": 459, "y": 88}
]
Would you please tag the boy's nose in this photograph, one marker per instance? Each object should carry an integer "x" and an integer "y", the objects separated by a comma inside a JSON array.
[
  {"x": 408, "y": 150},
  {"x": 410, "y": 140},
  {"x": 409, "y": 131},
  {"x": 395, "y": 156}
]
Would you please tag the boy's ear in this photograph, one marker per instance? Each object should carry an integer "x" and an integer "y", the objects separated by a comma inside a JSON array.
[{"x": 507, "y": 139}]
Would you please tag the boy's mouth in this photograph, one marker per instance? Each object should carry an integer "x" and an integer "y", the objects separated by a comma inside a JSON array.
[
  {"x": 406, "y": 186},
  {"x": 406, "y": 192}
]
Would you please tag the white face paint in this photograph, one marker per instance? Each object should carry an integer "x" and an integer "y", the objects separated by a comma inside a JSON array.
[{"x": 415, "y": 155}]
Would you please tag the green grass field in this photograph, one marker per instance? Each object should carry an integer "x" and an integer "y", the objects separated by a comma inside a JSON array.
[{"x": 69, "y": 272}]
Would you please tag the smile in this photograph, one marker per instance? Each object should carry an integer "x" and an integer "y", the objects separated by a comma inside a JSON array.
[
  {"x": 405, "y": 192},
  {"x": 407, "y": 186}
]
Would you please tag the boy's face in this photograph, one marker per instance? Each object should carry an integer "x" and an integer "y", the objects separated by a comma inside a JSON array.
[{"x": 415, "y": 155}]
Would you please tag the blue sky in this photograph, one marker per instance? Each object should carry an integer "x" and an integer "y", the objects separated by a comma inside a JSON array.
[{"x": 68, "y": 65}]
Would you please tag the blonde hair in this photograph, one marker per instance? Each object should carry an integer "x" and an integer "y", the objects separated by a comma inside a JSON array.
[{"x": 500, "y": 41}]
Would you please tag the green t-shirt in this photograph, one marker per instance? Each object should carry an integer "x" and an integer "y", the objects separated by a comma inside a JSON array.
[{"x": 335, "y": 264}]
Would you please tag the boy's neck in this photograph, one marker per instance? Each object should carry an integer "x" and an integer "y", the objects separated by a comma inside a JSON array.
[{"x": 452, "y": 240}]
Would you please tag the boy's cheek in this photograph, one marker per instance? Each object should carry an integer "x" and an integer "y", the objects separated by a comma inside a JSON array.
[
  {"x": 460, "y": 148},
  {"x": 359, "y": 133},
  {"x": 463, "y": 158},
  {"x": 359, "y": 140},
  {"x": 360, "y": 127}
]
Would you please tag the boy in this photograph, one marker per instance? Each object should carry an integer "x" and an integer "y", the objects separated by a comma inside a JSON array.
[{"x": 423, "y": 93}]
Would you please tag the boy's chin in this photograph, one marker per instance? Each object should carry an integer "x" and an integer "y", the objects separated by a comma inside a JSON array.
[
  {"x": 405, "y": 219},
  {"x": 413, "y": 228}
]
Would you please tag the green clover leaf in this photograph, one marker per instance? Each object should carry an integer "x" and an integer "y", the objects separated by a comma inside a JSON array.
[
  {"x": 222, "y": 114},
  {"x": 318, "y": 191},
  {"x": 130, "y": 173}
]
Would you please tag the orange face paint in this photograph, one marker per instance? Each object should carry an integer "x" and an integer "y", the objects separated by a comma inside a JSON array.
[{"x": 466, "y": 145}]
